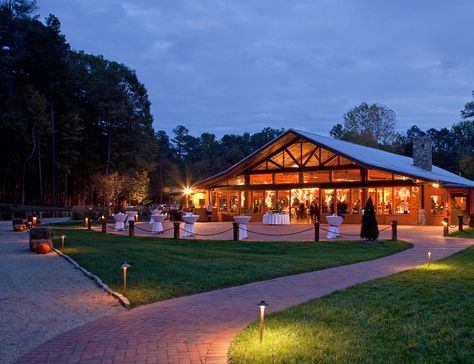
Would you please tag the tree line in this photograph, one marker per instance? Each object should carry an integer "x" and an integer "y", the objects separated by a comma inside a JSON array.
[{"x": 77, "y": 128}]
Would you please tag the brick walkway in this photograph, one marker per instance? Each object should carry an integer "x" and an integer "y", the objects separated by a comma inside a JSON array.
[{"x": 199, "y": 328}]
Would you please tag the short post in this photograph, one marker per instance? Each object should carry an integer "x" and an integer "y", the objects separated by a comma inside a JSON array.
[
  {"x": 262, "y": 306},
  {"x": 62, "y": 241},
  {"x": 316, "y": 231},
  {"x": 104, "y": 225},
  {"x": 394, "y": 230},
  {"x": 131, "y": 228},
  {"x": 460, "y": 222},
  {"x": 176, "y": 229},
  {"x": 124, "y": 267},
  {"x": 445, "y": 226},
  {"x": 235, "y": 225},
  {"x": 89, "y": 223}
]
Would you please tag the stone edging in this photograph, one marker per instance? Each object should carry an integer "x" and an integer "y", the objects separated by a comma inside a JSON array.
[{"x": 122, "y": 299}]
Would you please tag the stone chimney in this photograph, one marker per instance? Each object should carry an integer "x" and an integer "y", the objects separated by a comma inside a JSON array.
[{"x": 422, "y": 152}]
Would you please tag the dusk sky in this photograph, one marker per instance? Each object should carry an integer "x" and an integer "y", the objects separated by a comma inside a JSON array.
[{"x": 235, "y": 66}]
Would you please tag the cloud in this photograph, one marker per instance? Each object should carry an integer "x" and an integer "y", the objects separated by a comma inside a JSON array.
[{"x": 239, "y": 66}]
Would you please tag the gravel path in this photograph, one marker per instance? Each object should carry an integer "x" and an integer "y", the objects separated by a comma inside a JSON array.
[{"x": 42, "y": 296}]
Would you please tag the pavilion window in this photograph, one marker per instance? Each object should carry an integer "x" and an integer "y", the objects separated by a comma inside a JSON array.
[
  {"x": 356, "y": 201},
  {"x": 437, "y": 205},
  {"x": 316, "y": 177},
  {"x": 214, "y": 199},
  {"x": 233, "y": 202},
  {"x": 374, "y": 175},
  {"x": 327, "y": 201},
  {"x": 283, "y": 200},
  {"x": 402, "y": 200},
  {"x": 237, "y": 181},
  {"x": 387, "y": 201},
  {"x": 261, "y": 179},
  {"x": 343, "y": 197},
  {"x": 346, "y": 175},
  {"x": 270, "y": 200},
  {"x": 287, "y": 177},
  {"x": 257, "y": 202},
  {"x": 222, "y": 198}
]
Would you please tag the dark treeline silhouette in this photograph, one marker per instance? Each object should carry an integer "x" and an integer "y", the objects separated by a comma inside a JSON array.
[{"x": 77, "y": 129}]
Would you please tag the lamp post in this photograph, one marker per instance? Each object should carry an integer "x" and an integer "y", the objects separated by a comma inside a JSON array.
[
  {"x": 262, "y": 306},
  {"x": 429, "y": 257},
  {"x": 125, "y": 265},
  {"x": 34, "y": 220},
  {"x": 62, "y": 241},
  {"x": 445, "y": 227}
]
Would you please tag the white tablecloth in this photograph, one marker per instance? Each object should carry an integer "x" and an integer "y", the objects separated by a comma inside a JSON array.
[
  {"x": 189, "y": 221},
  {"x": 157, "y": 225},
  {"x": 243, "y": 221},
  {"x": 334, "y": 223},
  {"x": 155, "y": 212},
  {"x": 120, "y": 221},
  {"x": 276, "y": 219},
  {"x": 131, "y": 215}
]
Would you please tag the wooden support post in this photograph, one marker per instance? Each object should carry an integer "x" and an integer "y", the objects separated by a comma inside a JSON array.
[
  {"x": 445, "y": 226},
  {"x": 394, "y": 230},
  {"x": 176, "y": 230},
  {"x": 236, "y": 230},
  {"x": 316, "y": 231},
  {"x": 460, "y": 223},
  {"x": 104, "y": 225},
  {"x": 131, "y": 228}
]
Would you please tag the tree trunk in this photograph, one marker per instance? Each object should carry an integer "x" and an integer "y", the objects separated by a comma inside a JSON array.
[
  {"x": 53, "y": 153},
  {"x": 109, "y": 151},
  {"x": 40, "y": 174},
  {"x": 65, "y": 189},
  {"x": 23, "y": 194}
]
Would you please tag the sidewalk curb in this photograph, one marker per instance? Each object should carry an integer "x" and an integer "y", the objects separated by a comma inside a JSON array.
[{"x": 122, "y": 299}]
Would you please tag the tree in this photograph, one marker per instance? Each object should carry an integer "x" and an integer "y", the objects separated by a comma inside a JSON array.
[
  {"x": 370, "y": 125},
  {"x": 468, "y": 112},
  {"x": 137, "y": 187},
  {"x": 369, "y": 229}
]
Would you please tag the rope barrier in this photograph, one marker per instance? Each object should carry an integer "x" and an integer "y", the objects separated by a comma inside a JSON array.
[
  {"x": 452, "y": 226},
  {"x": 213, "y": 234},
  {"x": 293, "y": 233}
]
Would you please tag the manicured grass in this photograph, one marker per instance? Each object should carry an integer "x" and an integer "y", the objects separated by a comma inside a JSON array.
[
  {"x": 466, "y": 233},
  {"x": 425, "y": 315},
  {"x": 165, "y": 268}
]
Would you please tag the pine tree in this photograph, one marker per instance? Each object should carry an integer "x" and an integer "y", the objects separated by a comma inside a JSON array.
[{"x": 369, "y": 229}]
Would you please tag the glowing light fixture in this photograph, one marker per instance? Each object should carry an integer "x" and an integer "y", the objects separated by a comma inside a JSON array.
[
  {"x": 262, "y": 306},
  {"x": 62, "y": 241},
  {"x": 429, "y": 257},
  {"x": 435, "y": 185},
  {"x": 124, "y": 267},
  {"x": 187, "y": 191}
]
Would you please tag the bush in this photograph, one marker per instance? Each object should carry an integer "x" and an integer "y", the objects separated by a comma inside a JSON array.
[{"x": 369, "y": 229}]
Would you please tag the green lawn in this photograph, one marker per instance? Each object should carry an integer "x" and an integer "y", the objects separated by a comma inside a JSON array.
[
  {"x": 466, "y": 233},
  {"x": 165, "y": 268},
  {"x": 425, "y": 315}
]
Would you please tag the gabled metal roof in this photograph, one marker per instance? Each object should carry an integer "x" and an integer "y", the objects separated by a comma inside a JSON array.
[{"x": 365, "y": 156}]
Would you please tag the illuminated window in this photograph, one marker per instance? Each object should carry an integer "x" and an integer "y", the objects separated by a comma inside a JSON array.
[
  {"x": 375, "y": 175},
  {"x": 233, "y": 201},
  {"x": 327, "y": 201},
  {"x": 320, "y": 176},
  {"x": 261, "y": 179},
  {"x": 239, "y": 180},
  {"x": 257, "y": 202},
  {"x": 402, "y": 200},
  {"x": 344, "y": 175},
  {"x": 356, "y": 201},
  {"x": 437, "y": 205},
  {"x": 287, "y": 177}
]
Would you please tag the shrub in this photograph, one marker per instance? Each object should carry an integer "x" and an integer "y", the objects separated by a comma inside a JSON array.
[{"x": 369, "y": 229}]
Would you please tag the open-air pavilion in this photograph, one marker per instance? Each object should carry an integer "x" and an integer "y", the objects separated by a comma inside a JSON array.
[{"x": 298, "y": 169}]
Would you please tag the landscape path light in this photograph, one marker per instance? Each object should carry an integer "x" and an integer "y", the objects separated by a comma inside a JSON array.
[
  {"x": 34, "y": 220},
  {"x": 125, "y": 265},
  {"x": 62, "y": 241},
  {"x": 262, "y": 306},
  {"x": 429, "y": 257}
]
